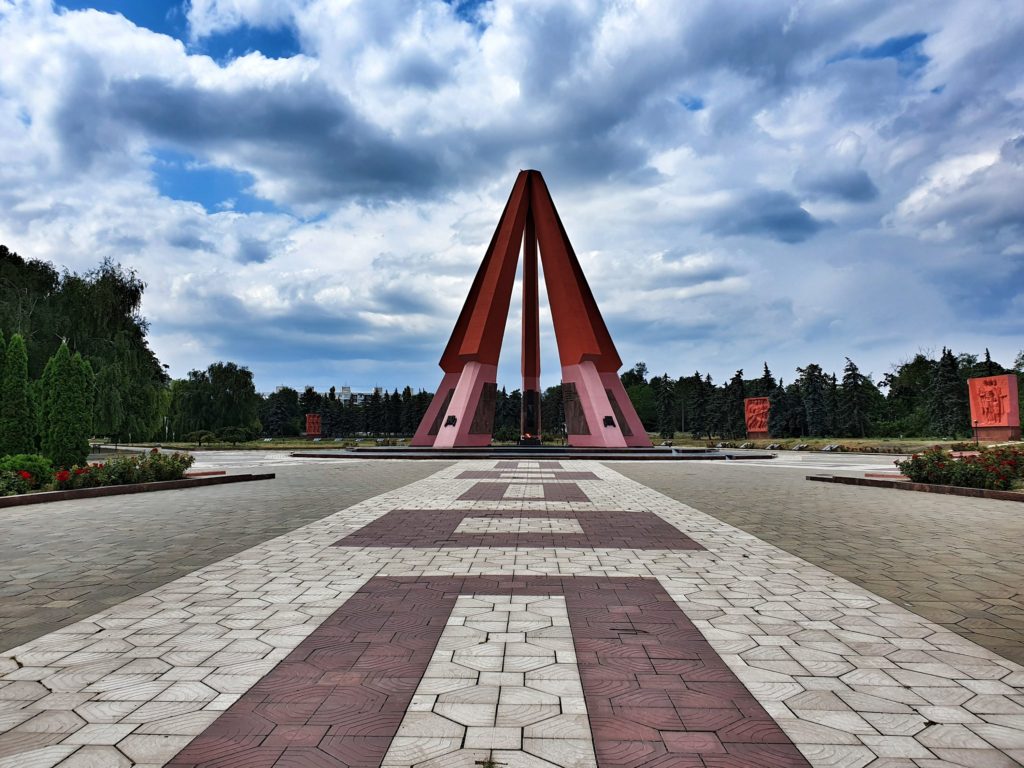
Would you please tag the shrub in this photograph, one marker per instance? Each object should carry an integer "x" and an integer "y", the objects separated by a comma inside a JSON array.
[
  {"x": 992, "y": 469},
  {"x": 126, "y": 470},
  {"x": 12, "y": 483},
  {"x": 38, "y": 468}
]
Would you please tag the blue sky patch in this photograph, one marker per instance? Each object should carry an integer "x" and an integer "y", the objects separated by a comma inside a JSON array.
[
  {"x": 164, "y": 16},
  {"x": 279, "y": 43},
  {"x": 182, "y": 177},
  {"x": 691, "y": 103},
  {"x": 905, "y": 49},
  {"x": 469, "y": 10},
  {"x": 167, "y": 17}
]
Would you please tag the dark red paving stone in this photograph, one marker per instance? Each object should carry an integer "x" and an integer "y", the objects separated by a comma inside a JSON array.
[
  {"x": 519, "y": 465},
  {"x": 436, "y": 528},
  {"x": 331, "y": 689},
  {"x": 552, "y": 492},
  {"x": 541, "y": 475},
  {"x": 693, "y": 742}
]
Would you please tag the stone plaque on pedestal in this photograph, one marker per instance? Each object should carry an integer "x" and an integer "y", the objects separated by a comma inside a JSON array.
[
  {"x": 312, "y": 425},
  {"x": 995, "y": 411},
  {"x": 755, "y": 409}
]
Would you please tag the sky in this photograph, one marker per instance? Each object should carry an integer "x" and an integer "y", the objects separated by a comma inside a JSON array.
[{"x": 308, "y": 186}]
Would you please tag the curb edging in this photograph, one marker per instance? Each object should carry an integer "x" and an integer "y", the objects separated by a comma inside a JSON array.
[
  {"x": 25, "y": 499},
  {"x": 904, "y": 485}
]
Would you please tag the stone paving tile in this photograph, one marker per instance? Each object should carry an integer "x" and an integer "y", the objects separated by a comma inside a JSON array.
[
  {"x": 444, "y": 528},
  {"x": 953, "y": 560},
  {"x": 536, "y": 667},
  {"x": 64, "y": 561},
  {"x": 789, "y": 631},
  {"x": 539, "y": 491},
  {"x": 518, "y": 474}
]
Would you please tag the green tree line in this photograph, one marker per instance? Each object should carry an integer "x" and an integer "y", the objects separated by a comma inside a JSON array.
[
  {"x": 77, "y": 363},
  {"x": 921, "y": 397}
]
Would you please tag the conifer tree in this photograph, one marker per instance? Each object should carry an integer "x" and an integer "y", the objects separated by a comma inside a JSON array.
[
  {"x": 778, "y": 415},
  {"x": 666, "y": 407},
  {"x": 17, "y": 430},
  {"x": 733, "y": 419},
  {"x": 855, "y": 402},
  {"x": 813, "y": 393},
  {"x": 67, "y": 396},
  {"x": 947, "y": 398},
  {"x": 765, "y": 386}
]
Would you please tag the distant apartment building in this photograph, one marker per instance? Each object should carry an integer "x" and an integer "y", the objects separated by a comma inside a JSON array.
[{"x": 345, "y": 394}]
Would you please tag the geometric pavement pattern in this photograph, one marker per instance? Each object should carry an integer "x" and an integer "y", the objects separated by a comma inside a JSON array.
[{"x": 540, "y": 640}]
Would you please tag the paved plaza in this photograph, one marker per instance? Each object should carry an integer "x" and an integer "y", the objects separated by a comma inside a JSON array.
[{"x": 515, "y": 613}]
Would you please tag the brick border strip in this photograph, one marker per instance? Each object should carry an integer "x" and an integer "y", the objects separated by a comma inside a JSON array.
[
  {"x": 430, "y": 528},
  {"x": 904, "y": 485},
  {"x": 117, "y": 490},
  {"x": 657, "y": 693}
]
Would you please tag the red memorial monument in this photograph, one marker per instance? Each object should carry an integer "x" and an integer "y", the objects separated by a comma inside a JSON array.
[
  {"x": 598, "y": 412},
  {"x": 995, "y": 410},
  {"x": 312, "y": 425},
  {"x": 755, "y": 409}
]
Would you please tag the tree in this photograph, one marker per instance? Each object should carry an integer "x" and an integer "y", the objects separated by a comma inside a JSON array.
[
  {"x": 309, "y": 401},
  {"x": 947, "y": 399},
  {"x": 552, "y": 411},
  {"x": 17, "y": 431},
  {"x": 281, "y": 413},
  {"x": 813, "y": 392},
  {"x": 906, "y": 403},
  {"x": 409, "y": 412},
  {"x": 234, "y": 401},
  {"x": 732, "y": 420},
  {"x": 16, "y": 418},
  {"x": 666, "y": 403},
  {"x": 68, "y": 382},
  {"x": 764, "y": 386},
  {"x": 698, "y": 404},
  {"x": 778, "y": 412},
  {"x": 374, "y": 413},
  {"x": 635, "y": 375},
  {"x": 855, "y": 402}
]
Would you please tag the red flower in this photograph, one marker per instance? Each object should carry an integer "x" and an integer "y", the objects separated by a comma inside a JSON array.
[
  {"x": 81, "y": 470},
  {"x": 63, "y": 476},
  {"x": 25, "y": 475}
]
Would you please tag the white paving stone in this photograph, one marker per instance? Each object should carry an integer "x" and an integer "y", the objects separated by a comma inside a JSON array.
[{"x": 784, "y": 626}]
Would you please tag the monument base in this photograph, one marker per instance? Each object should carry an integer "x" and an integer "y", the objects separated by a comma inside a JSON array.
[
  {"x": 997, "y": 434},
  {"x": 758, "y": 436},
  {"x": 529, "y": 440}
]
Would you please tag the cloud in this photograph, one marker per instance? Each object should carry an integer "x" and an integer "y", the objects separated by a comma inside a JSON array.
[
  {"x": 853, "y": 185},
  {"x": 970, "y": 197},
  {"x": 769, "y": 213},
  {"x": 780, "y": 181}
]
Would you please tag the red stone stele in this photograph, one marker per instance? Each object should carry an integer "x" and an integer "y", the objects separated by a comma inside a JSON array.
[
  {"x": 312, "y": 425},
  {"x": 598, "y": 411},
  {"x": 995, "y": 409},
  {"x": 756, "y": 409}
]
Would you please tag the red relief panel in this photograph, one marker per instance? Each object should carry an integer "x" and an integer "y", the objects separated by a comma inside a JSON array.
[
  {"x": 313, "y": 424},
  {"x": 994, "y": 401},
  {"x": 756, "y": 411}
]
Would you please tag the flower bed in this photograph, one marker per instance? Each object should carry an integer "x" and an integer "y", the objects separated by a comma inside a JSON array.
[
  {"x": 996, "y": 469},
  {"x": 27, "y": 473}
]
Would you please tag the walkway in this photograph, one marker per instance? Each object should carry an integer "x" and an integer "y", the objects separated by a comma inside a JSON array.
[{"x": 508, "y": 613}]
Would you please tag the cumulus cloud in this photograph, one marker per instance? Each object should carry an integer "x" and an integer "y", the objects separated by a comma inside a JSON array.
[
  {"x": 741, "y": 181},
  {"x": 766, "y": 213}
]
